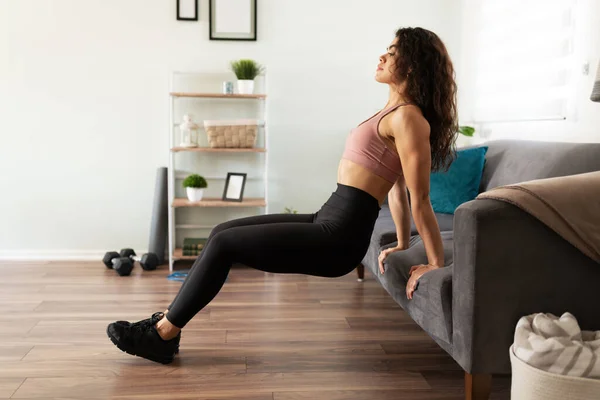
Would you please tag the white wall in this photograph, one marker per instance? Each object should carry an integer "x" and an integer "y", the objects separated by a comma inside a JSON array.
[
  {"x": 583, "y": 122},
  {"x": 84, "y": 106}
]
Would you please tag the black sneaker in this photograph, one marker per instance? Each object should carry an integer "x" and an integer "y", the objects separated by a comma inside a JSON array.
[
  {"x": 127, "y": 323},
  {"x": 142, "y": 339}
]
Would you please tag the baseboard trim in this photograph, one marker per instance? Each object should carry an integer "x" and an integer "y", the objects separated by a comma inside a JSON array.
[{"x": 55, "y": 255}]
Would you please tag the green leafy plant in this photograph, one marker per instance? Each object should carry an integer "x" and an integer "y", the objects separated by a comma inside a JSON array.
[
  {"x": 195, "y": 181},
  {"x": 466, "y": 130},
  {"x": 246, "y": 69},
  {"x": 290, "y": 210}
]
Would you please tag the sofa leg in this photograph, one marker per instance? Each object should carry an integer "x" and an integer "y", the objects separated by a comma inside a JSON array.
[
  {"x": 360, "y": 270},
  {"x": 478, "y": 386}
]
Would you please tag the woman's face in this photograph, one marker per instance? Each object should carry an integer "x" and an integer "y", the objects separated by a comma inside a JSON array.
[{"x": 387, "y": 64}]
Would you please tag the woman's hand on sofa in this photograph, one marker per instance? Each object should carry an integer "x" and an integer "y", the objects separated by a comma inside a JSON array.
[
  {"x": 417, "y": 271},
  {"x": 384, "y": 253}
]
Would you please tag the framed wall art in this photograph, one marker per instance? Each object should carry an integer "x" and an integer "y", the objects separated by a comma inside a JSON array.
[
  {"x": 232, "y": 19},
  {"x": 187, "y": 10}
]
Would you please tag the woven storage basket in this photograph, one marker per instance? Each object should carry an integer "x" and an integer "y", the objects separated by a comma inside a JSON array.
[
  {"x": 231, "y": 133},
  {"x": 529, "y": 383}
]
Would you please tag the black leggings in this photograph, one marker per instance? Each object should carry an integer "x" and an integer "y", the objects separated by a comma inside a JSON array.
[{"x": 328, "y": 243}]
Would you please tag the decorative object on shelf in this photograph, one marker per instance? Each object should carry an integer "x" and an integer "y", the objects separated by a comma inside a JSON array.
[
  {"x": 187, "y": 10},
  {"x": 189, "y": 132},
  {"x": 232, "y": 19},
  {"x": 234, "y": 187},
  {"x": 246, "y": 71},
  {"x": 193, "y": 246},
  {"x": 290, "y": 210},
  {"x": 596, "y": 90},
  {"x": 227, "y": 87},
  {"x": 231, "y": 133},
  {"x": 194, "y": 185},
  {"x": 466, "y": 130}
]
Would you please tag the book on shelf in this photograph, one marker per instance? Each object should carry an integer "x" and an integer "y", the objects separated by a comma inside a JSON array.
[{"x": 193, "y": 246}]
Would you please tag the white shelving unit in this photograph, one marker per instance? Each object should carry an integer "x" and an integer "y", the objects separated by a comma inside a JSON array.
[{"x": 197, "y": 93}]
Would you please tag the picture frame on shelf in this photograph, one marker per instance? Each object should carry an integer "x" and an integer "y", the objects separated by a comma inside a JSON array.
[
  {"x": 232, "y": 20},
  {"x": 234, "y": 187},
  {"x": 187, "y": 10}
]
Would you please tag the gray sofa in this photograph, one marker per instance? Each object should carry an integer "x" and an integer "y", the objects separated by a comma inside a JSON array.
[{"x": 501, "y": 264}]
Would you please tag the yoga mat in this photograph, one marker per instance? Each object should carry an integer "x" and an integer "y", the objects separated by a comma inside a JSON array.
[
  {"x": 159, "y": 225},
  {"x": 178, "y": 276}
]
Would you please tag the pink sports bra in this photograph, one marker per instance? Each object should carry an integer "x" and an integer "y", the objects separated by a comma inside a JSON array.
[{"x": 365, "y": 147}]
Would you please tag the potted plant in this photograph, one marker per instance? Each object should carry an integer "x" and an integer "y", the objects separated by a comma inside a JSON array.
[
  {"x": 194, "y": 185},
  {"x": 246, "y": 70},
  {"x": 466, "y": 130},
  {"x": 466, "y": 136}
]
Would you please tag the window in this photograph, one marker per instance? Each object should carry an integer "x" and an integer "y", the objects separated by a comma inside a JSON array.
[{"x": 522, "y": 60}]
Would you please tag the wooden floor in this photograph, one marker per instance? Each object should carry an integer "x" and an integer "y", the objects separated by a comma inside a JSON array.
[{"x": 264, "y": 337}]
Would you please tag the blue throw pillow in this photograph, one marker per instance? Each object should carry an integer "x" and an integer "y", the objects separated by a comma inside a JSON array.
[{"x": 460, "y": 183}]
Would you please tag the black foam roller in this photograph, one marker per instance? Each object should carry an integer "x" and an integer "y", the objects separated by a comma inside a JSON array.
[{"x": 159, "y": 227}]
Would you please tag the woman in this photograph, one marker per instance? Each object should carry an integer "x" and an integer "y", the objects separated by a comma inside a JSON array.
[{"x": 394, "y": 150}]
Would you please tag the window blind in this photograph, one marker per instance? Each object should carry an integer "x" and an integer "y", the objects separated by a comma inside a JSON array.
[{"x": 523, "y": 59}]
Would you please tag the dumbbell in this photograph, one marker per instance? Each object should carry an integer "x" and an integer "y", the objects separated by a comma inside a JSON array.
[
  {"x": 148, "y": 261},
  {"x": 122, "y": 265}
]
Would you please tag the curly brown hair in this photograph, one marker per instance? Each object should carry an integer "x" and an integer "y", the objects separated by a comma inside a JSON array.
[{"x": 424, "y": 64}]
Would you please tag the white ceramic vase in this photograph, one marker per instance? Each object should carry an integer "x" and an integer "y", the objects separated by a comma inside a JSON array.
[
  {"x": 194, "y": 194},
  {"x": 245, "y": 86}
]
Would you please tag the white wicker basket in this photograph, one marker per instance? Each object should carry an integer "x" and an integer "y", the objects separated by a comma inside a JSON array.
[
  {"x": 529, "y": 383},
  {"x": 231, "y": 133}
]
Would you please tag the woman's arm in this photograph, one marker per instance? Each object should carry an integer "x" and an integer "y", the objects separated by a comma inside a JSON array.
[
  {"x": 411, "y": 133},
  {"x": 398, "y": 201}
]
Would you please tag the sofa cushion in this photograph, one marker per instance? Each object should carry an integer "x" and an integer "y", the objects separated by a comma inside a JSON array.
[
  {"x": 431, "y": 306},
  {"x": 449, "y": 189},
  {"x": 511, "y": 161},
  {"x": 385, "y": 229}
]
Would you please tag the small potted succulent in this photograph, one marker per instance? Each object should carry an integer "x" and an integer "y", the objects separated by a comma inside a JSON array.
[
  {"x": 245, "y": 71},
  {"x": 194, "y": 185}
]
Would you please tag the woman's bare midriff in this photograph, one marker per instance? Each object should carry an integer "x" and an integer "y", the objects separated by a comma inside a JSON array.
[{"x": 355, "y": 175}]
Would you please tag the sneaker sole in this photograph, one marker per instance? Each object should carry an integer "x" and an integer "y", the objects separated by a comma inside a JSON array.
[{"x": 148, "y": 356}]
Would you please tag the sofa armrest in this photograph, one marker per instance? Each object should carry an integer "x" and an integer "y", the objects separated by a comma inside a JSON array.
[{"x": 507, "y": 264}]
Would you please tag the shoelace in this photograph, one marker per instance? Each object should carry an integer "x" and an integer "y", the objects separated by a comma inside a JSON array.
[{"x": 138, "y": 328}]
